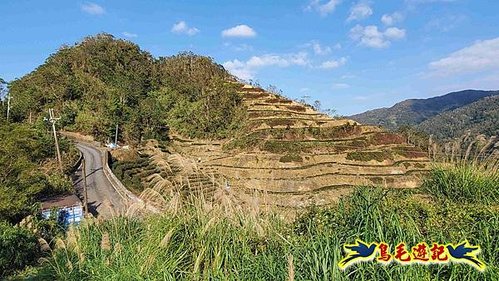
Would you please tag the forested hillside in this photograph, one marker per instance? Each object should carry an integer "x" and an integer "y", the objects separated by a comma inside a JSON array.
[
  {"x": 414, "y": 111},
  {"x": 480, "y": 117},
  {"x": 102, "y": 82}
]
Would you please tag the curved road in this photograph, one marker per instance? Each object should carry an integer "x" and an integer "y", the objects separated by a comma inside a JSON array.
[{"x": 103, "y": 200}]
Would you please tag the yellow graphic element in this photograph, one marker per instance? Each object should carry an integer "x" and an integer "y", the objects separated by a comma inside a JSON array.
[
  {"x": 466, "y": 253},
  {"x": 420, "y": 253},
  {"x": 358, "y": 252}
]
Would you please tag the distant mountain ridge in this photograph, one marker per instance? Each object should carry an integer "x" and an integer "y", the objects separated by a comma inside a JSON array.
[
  {"x": 416, "y": 111},
  {"x": 480, "y": 117}
]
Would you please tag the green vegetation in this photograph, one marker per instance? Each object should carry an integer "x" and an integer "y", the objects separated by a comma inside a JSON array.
[
  {"x": 28, "y": 173},
  {"x": 18, "y": 248},
  {"x": 480, "y": 117},
  {"x": 102, "y": 82},
  {"x": 447, "y": 116},
  {"x": 470, "y": 183},
  {"x": 27, "y": 169},
  {"x": 204, "y": 241},
  {"x": 291, "y": 157},
  {"x": 127, "y": 170},
  {"x": 364, "y": 156}
]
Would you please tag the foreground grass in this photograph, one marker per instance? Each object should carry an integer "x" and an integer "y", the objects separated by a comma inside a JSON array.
[{"x": 223, "y": 242}]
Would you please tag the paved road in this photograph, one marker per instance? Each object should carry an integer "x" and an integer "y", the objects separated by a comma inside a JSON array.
[{"x": 103, "y": 199}]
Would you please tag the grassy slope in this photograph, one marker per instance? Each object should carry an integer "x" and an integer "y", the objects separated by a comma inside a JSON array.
[{"x": 223, "y": 242}]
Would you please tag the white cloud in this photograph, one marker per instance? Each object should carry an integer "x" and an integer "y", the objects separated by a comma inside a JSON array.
[
  {"x": 340, "y": 86},
  {"x": 360, "y": 11},
  {"x": 129, "y": 34},
  {"x": 317, "y": 48},
  {"x": 93, "y": 9},
  {"x": 239, "y": 31},
  {"x": 182, "y": 27},
  {"x": 370, "y": 36},
  {"x": 482, "y": 55},
  {"x": 394, "y": 33},
  {"x": 247, "y": 70},
  {"x": 330, "y": 64},
  {"x": 391, "y": 19},
  {"x": 323, "y": 7}
]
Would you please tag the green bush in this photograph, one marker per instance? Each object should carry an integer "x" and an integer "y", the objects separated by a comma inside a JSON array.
[
  {"x": 291, "y": 157},
  {"x": 18, "y": 248}
]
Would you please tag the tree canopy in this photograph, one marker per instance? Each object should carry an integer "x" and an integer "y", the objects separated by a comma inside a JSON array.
[{"x": 102, "y": 82}]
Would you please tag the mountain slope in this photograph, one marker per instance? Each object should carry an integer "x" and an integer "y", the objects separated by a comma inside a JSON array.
[
  {"x": 415, "y": 111},
  {"x": 293, "y": 154},
  {"x": 480, "y": 117}
]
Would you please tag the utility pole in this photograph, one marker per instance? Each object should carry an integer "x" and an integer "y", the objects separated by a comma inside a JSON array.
[
  {"x": 116, "y": 136},
  {"x": 53, "y": 120},
  {"x": 85, "y": 194},
  {"x": 8, "y": 106}
]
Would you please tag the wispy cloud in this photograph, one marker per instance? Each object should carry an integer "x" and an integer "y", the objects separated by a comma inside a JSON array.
[
  {"x": 340, "y": 86},
  {"x": 241, "y": 30},
  {"x": 93, "y": 9},
  {"x": 480, "y": 56},
  {"x": 129, "y": 34},
  {"x": 182, "y": 27},
  {"x": 331, "y": 64},
  {"x": 322, "y": 7},
  {"x": 391, "y": 19},
  {"x": 445, "y": 23},
  {"x": 247, "y": 69},
  {"x": 371, "y": 36},
  {"x": 318, "y": 48},
  {"x": 360, "y": 11}
]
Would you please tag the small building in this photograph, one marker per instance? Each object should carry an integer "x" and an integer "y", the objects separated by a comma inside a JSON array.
[{"x": 69, "y": 209}]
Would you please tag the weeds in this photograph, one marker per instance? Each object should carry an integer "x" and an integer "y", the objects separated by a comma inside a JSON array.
[
  {"x": 465, "y": 182},
  {"x": 224, "y": 240}
]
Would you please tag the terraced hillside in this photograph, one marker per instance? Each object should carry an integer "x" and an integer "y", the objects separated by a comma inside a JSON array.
[
  {"x": 155, "y": 173},
  {"x": 298, "y": 156}
]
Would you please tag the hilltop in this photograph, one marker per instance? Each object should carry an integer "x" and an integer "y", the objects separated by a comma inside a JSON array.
[{"x": 415, "y": 111}]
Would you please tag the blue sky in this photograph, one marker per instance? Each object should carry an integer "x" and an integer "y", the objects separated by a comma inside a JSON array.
[{"x": 350, "y": 55}]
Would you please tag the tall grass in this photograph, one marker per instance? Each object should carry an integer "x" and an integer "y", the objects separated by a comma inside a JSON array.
[
  {"x": 464, "y": 182},
  {"x": 223, "y": 241}
]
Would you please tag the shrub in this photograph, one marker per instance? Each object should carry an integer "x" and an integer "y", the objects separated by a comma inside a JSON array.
[
  {"x": 379, "y": 156},
  {"x": 291, "y": 157},
  {"x": 18, "y": 248}
]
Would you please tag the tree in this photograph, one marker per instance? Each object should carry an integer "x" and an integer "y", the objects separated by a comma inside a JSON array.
[{"x": 317, "y": 105}]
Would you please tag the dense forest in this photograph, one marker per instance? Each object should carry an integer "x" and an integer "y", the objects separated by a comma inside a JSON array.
[
  {"x": 480, "y": 117},
  {"x": 439, "y": 111},
  {"x": 103, "y": 82}
]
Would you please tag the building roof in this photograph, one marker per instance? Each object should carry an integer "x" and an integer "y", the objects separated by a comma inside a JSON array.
[{"x": 60, "y": 201}]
